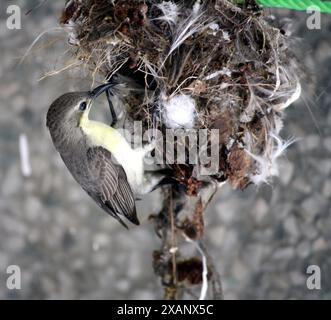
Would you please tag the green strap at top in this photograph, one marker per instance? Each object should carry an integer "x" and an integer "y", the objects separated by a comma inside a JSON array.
[{"x": 323, "y": 5}]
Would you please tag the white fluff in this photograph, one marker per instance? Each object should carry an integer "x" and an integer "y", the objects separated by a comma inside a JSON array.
[
  {"x": 170, "y": 12},
  {"x": 196, "y": 7},
  {"x": 178, "y": 111},
  {"x": 214, "y": 26},
  {"x": 226, "y": 35},
  {"x": 267, "y": 163}
]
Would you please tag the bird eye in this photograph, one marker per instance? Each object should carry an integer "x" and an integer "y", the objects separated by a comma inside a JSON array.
[{"x": 83, "y": 106}]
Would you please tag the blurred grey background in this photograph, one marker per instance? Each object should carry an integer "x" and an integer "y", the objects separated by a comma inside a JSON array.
[{"x": 262, "y": 240}]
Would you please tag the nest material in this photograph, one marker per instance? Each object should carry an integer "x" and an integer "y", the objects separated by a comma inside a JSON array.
[{"x": 224, "y": 59}]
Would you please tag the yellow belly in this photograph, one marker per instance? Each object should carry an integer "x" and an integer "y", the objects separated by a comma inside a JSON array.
[
  {"x": 101, "y": 134},
  {"x": 109, "y": 138}
]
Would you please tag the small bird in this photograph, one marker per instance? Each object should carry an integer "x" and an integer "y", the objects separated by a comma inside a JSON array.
[{"x": 97, "y": 155}]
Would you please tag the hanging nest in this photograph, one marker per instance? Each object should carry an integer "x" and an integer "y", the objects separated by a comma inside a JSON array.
[
  {"x": 193, "y": 65},
  {"x": 198, "y": 66}
]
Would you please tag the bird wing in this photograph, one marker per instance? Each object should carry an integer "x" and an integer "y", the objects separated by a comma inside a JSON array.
[{"x": 111, "y": 188}]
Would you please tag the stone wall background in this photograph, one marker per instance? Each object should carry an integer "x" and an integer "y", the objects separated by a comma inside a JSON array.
[{"x": 262, "y": 240}]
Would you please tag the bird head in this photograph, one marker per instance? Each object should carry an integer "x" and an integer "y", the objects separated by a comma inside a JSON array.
[
  {"x": 68, "y": 111},
  {"x": 71, "y": 107}
]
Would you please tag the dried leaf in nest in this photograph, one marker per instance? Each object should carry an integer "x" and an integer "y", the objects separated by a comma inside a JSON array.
[
  {"x": 224, "y": 123},
  {"x": 239, "y": 163},
  {"x": 190, "y": 271},
  {"x": 258, "y": 131}
]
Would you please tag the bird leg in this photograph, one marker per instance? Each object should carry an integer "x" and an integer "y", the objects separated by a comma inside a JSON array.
[
  {"x": 151, "y": 182},
  {"x": 156, "y": 179}
]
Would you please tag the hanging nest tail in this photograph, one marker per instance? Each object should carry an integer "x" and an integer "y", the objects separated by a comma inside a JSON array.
[{"x": 194, "y": 65}]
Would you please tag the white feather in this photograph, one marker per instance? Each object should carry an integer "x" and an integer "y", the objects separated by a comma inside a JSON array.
[
  {"x": 191, "y": 25},
  {"x": 294, "y": 97}
]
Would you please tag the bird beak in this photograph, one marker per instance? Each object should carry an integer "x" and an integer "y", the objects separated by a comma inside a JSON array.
[{"x": 99, "y": 90}]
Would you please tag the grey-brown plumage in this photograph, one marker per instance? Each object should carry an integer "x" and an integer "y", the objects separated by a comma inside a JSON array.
[{"x": 93, "y": 167}]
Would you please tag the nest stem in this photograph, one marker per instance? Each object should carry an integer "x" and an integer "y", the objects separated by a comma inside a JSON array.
[{"x": 171, "y": 289}]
